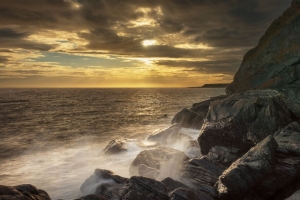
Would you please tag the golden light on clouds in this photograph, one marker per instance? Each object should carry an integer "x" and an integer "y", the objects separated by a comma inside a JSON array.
[{"x": 149, "y": 42}]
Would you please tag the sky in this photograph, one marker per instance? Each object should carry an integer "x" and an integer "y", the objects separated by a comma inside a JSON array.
[{"x": 128, "y": 43}]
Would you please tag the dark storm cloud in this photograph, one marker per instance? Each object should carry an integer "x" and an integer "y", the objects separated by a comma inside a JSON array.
[{"x": 10, "y": 38}]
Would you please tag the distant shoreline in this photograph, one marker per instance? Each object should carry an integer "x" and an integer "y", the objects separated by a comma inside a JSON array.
[{"x": 219, "y": 85}]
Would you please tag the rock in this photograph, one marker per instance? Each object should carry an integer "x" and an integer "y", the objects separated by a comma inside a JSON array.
[
  {"x": 93, "y": 197},
  {"x": 203, "y": 171},
  {"x": 183, "y": 194},
  {"x": 22, "y": 192},
  {"x": 244, "y": 119},
  {"x": 115, "y": 147},
  {"x": 164, "y": 136},
  {"x": 223, "y": 154},
  {"x": 284, "y": 179},
  {"x": 274, "y": 62},
  {"x": 186, "y": 118},
  {"x": 162, "y": 159},
  {"x": 148, "y": 172},
  {"x": 100, "y": 177},
  {"x": 110, "y": 191},
  {"x": 144, "y": 188},
  {"x": 172, "y": 184},
  {"x": 248, "y": 171}
]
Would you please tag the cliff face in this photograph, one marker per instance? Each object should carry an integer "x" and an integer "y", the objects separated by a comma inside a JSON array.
[{"x": 275, "y": 62}]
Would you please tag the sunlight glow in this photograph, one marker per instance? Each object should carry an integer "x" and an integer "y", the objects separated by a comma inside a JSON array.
[{"x": 149, "y": 42}]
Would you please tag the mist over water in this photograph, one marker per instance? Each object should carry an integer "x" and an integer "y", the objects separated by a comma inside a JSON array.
[{"x": 53, "y": 138}]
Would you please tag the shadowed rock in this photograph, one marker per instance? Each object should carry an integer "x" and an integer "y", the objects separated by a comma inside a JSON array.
[
  {"x": 115, "y": 147},
  {"x": 248, "y": 171},
  {"x": 100, "y": 176},
  {"x": 144, "y": 188},
  {"x": 22, "y": 192},
  {"x": 244, "y": 119},
  {"x": 172, "y": 184}
]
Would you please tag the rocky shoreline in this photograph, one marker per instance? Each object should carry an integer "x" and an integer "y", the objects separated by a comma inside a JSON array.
[{"x": 249, "y": 142}]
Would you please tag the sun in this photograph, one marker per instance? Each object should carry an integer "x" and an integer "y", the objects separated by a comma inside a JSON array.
[{"x": 148, "y": 42}]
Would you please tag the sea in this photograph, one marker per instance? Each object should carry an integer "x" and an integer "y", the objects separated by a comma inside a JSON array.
[{"x": 54, "y": 138}]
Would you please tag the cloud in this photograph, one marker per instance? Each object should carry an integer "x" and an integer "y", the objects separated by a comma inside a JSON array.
[
  {"x": 10, "y": 38},
  {"x": 199, "y": 36}
]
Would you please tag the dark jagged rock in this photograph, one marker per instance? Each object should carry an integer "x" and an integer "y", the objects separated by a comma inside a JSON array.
[
  {"x": 248, "y": 171},
  {"x": 244, "y": 119},
  {"x": 22, "y": 192},
  {"x": 161, "y": 158},
  {"x": 115, "y": 147},
  {"x": 203, "y": 171},
  {"x": 284, "y": 179},
  {"x": 143, "y": 188},
  {"x": 183, "y": 194},
  {"x": 93, "y": 197},
  {"x": 172, "y": 184},
  {"x": 224, "y": 155},
  {"x": 99, "y": 177}
]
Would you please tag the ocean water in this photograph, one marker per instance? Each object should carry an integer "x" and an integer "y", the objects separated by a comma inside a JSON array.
[{"x": 54, "y": 138}]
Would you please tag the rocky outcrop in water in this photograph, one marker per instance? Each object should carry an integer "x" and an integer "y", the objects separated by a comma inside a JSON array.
[
  {"x": 115, "y": 147},
  {"x": 22, "y": 192},
  {"x": 244, "y": 119}
]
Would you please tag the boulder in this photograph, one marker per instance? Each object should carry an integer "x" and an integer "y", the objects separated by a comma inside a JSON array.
[
  {"x": 165, "y": 136},
  {"x": 93, "y": 197},
  {"x": 115, "y": 147},
  {"x": 187, "y": 118},
  {"x": 22, "y": 192},
  {"x": 248, "y": 171},
  {"x": 173, "y": 185},
  {"x": 162, "y": 159},
  {"x": 203, "y": 171},
  {"x": 143, "y": 188},
  {"x": 284, "y": 179},
  {"x": 183, "y": 194},
  {"x": 100, "y": 176},
  {"x": 244, "y": 119},
  {"x": 148, "y": 172}
]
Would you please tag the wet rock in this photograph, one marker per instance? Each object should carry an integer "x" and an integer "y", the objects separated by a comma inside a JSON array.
[
  {"x": 224, "y": 155},
  {"x": 22, "y": 192},
  {"x": 144, "y": 188},
  {"x": 172, "y": 184},
  {"x": 183, "y": 194},
  {"x": 100, "y": 177},
  {"x": 244, "y": 119},
  {"x": 186, "y": 118},
  {"x": 148, "y": 172},
  {"x": 248, "y": 171},
  {"x": 203, "y": 171},
  {"x": 284, "y": 179},
  {"x": 162, "y": 159},
  {"x": 164, "y": 136},
  {"x": 110, "y": 191},
  {"x": 115, "y": 147},
  {"x": 93, "y": 197}
]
